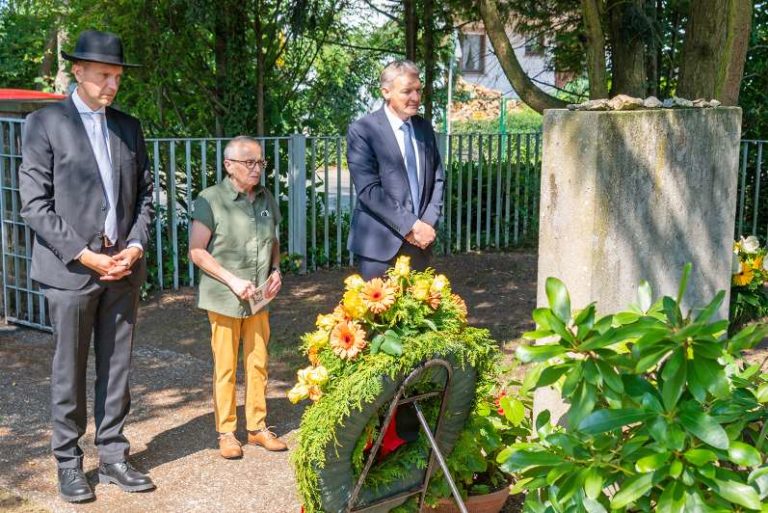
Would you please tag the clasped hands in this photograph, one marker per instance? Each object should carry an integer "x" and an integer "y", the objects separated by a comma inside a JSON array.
[
  {"x": 111, "y": 268},
  {"x": 421, "y": 235}
]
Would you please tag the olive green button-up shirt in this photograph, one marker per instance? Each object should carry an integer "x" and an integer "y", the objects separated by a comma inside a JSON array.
[{"x": 242, "y": 236}]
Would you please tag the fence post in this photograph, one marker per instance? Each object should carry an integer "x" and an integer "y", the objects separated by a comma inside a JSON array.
[
  {"x": 297, "y": 199},
  {"x": 442, "y": 230},
  {"x": 3, "y": 248}
]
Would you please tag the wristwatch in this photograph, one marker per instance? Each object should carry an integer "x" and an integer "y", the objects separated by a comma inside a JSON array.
[{"x": 275, "y": 268}]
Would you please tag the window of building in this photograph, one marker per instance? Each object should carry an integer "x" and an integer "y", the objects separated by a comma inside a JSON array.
[
  {"x": 534, "y": 46},
  {"x": 473, "y": 53}
]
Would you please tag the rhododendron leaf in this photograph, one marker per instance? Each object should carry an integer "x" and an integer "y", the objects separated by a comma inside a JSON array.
[
  {"x": 644, "y": 296},
  {"x": 631, "y": 490},
  {"x": 559, "y": 300}
]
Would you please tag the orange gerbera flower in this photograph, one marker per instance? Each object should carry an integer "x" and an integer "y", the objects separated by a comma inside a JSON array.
[
  {"x": 347, "y": 339},
  {"x": 340, "y": 314},
  {"x": 434, "y": 300},
  {"x": 378, "y": 295},
  {"x": 460, "y": 304}
]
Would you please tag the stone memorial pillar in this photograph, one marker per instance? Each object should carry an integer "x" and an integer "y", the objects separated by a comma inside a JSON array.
[{"x": 633, "y": 195}]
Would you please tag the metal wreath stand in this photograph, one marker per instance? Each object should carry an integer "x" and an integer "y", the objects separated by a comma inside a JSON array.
[{"x": 434, "y": 454}]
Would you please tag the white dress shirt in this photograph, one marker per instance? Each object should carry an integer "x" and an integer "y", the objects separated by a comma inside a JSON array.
[
  {"x": 88, "y": 122},
  {"x": 396, "y": 123}
]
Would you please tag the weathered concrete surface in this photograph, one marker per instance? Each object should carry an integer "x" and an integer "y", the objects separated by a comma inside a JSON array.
[{"x": 627, "y": 196}]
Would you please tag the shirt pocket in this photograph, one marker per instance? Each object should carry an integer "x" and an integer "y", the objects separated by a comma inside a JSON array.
[{"x": 265, "y": 226}]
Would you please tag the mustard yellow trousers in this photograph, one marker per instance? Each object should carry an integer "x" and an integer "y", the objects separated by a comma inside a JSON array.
[{"x": 226, "y": 334}]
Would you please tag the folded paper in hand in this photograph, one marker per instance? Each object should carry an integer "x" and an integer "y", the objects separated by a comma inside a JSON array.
[{"x": 259, "y": 299}]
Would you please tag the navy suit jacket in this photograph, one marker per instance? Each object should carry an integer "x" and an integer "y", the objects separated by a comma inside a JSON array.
[
  {"x": 384, "y": 213},
  {"x": 63, "y": 198}
]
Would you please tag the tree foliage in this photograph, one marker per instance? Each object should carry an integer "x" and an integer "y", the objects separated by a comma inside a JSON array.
[
  {"x": 636, "y": 47},
  {"x": 211, "y": 67}
]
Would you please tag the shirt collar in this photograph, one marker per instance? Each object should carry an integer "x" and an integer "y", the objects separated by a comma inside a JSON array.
[
  {"x": 394, "y": 120},
  {"x": 82, "y": 107},
  {"x": 233, "y": 193}
]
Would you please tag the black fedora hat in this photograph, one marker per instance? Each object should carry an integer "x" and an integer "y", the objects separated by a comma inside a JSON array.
[{"x": 96, "y": 46}]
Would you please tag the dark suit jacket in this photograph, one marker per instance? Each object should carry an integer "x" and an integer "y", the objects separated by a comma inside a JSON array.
[
  {"x": 63, "y": 198},
  {"x": 383, "y": 214}
]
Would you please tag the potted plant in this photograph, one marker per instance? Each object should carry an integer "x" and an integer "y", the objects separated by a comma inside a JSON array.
[
  {"x": 665, "y": 414},
  {"x": 498, "y": 419}
]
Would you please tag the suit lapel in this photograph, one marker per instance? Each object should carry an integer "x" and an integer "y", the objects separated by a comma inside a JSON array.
[
  {"x": 115, "y": 136},
  {"x": 81, "y": 137},
  {"x": 390, "y": 142}
]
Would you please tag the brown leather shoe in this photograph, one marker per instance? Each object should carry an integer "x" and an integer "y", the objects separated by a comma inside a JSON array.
[
  {"x": 266, "y": 439},
  {"x": 229, "y": 446}
]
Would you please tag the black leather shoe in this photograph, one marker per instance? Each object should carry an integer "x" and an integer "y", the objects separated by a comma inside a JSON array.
[
  {"x": 125, "y": 476},
  {"x": 73, "y": 485}
]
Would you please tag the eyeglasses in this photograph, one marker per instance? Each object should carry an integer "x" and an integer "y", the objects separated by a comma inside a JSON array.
[{"x": 251, "y": 163}]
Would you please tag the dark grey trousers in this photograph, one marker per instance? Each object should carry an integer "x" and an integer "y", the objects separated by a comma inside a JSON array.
[
  {"x": 106, "y": 311},
  {"x": 370, "y": 268}
]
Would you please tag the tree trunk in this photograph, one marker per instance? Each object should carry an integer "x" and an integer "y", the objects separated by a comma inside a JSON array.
[
  {"x": 669, "y": 75},
  {"x": 260, "y": 74},
  {"x": 593, "y": 28},
  {"x": 532, "y": 95},
  {"x": 221, "y": 67},
  {"x": 429, "y": 59},
  {"x": 411, "y": 28},
  {"x": 714, "y": 50},
  {"x": 49, "y": 57},
  {"x": 61, "y": 83},
  {"x": 625, "y": 21},
  {"x": 653, "y": 55}
]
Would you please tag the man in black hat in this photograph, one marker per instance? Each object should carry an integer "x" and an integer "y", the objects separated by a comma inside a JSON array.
[{"x": 86, "y": 191}]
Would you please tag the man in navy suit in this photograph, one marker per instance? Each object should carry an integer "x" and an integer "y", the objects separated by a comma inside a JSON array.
[{"x": 396, "y": 168}]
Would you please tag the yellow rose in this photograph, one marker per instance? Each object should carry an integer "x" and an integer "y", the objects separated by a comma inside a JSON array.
[
  {"x": 439, "y": 283},
  {"x": 298, "y": 393},
  {"x": 402, "y": 267},
  {"x": 303, "y": 375},
  {"x": 317, "y": 338},
  {"x": 317, "y": 376},
  {"x": 326, "y": 322},
  {"x": 354, "y": 282},
  {"x": 420, "y": 289},
  {"x": 353, "y": 304}
]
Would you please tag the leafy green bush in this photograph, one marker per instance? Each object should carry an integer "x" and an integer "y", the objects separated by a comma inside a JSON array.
[
  {"x": 524, "y": 120},
  {"x": 749, "y": 298},
  {"x": 499, "y": 418},
  {"x": 664, "y": 413},
  {"x": 504, "y": 192}
]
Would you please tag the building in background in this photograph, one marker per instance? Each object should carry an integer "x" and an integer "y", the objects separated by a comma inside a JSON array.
[{"x": 479, "y": 65}]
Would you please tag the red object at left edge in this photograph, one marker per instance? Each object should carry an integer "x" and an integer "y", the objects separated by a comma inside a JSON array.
[{"x": 27, "y": 94}]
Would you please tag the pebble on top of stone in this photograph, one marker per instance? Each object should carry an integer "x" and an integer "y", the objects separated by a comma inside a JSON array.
[{"x": 625, "y": 102}]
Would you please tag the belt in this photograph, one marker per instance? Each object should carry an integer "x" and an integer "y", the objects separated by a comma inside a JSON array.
[{"x": 108, "y": 247}]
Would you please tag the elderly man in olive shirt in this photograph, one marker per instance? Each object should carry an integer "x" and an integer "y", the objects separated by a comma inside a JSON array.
[{"x": 233, "y": 240}]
